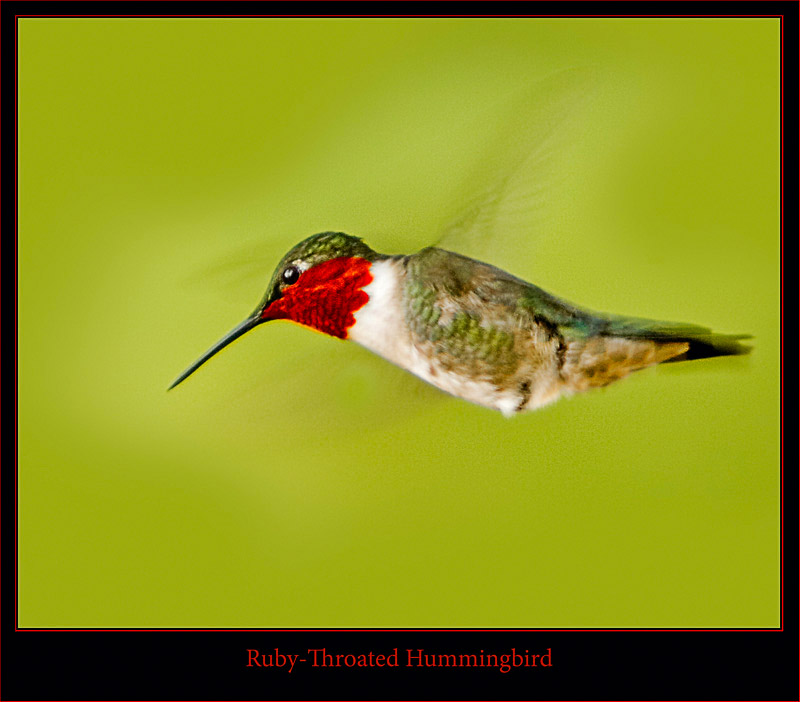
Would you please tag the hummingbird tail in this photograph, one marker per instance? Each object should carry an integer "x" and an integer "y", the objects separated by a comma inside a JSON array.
[
  {"x": 702, "y": 342},
  {"x": 713, "y": 345},
  {"x": 626, "y": 345}
]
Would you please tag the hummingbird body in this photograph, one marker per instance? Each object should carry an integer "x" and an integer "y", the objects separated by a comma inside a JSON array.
[
  {"x": 458, "y": 343},
  {"x": 466, "y": 327}
]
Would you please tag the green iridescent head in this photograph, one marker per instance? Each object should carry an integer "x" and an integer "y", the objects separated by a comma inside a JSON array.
[{"x": 313, "y": 251}]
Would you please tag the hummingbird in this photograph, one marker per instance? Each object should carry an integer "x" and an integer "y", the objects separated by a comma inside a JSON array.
[{"x": 465, "y": 326}]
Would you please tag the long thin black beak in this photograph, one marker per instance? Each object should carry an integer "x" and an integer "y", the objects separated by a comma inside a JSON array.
[{"x": 232, "y": 335}]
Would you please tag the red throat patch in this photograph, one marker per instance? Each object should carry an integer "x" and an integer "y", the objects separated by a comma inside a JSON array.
[{"x": 325, "y": 296}]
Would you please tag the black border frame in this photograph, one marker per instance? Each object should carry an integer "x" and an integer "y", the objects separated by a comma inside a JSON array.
[{"x": 211, "y": 663}]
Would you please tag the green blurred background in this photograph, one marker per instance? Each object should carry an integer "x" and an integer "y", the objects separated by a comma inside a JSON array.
[{"x": 165, "y": 166}]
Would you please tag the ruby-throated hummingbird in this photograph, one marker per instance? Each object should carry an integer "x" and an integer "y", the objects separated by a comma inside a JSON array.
[{"x": 464, "y": 326}]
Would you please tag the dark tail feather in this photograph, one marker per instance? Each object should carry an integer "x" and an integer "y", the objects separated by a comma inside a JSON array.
[
  {"x": 703, "y": 343},
  {"x": 711, "y": 345}
]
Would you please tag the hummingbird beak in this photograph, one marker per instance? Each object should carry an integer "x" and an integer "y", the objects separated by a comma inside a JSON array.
[{"x": 231, "y": 336}]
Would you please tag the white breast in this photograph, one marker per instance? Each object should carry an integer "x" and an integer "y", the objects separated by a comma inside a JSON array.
[{"x": 381, "y": 327}]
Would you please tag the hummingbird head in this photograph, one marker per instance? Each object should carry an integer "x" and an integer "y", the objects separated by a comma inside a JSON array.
[{"x": 318, "y": 283}]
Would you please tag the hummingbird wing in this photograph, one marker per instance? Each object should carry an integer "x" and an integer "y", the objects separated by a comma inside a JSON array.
[
  {"x": 506, "y": 203},
  {"x": 509, "y": 210},
  {"x": 620, "y": 345},
  {"x": 601, "y": 348},
  {"x": 503, "y": 326}
]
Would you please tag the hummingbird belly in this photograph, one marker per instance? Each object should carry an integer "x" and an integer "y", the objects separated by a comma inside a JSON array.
[{"x": 490, "y": 372}]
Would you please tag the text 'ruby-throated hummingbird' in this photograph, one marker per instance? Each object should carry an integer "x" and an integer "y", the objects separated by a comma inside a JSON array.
[{"x": 466, "y": 327}]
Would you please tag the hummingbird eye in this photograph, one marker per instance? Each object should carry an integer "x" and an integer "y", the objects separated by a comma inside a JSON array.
[{"x": 290, "y": 275}]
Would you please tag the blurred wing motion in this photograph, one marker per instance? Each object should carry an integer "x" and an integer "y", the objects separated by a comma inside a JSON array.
[
  {"x": 248, "y": 264},
  {"x": 504, "y": 208},
  {"x": 503, "y": 201},
  {"x": 507, "y": 211}
]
